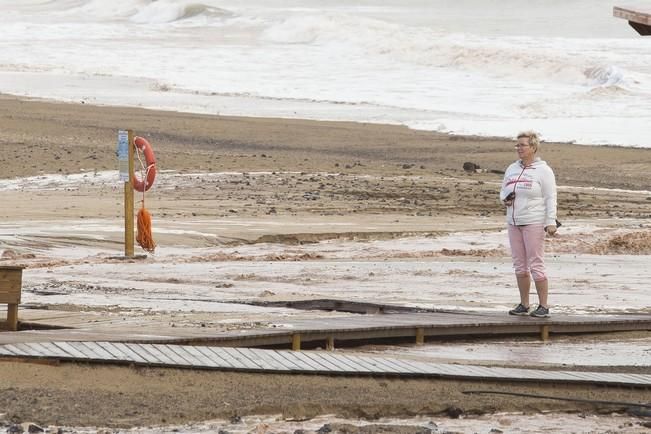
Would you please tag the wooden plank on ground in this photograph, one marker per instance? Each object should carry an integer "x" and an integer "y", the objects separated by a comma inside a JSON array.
[
  {"x": 316, "y": 364},
  {"x": 54, "y": 351},
  {"x": 263, "y": 359},
  {"x": 341, "y": 364},
  {"x": 243, "y": 360},
  {"x": 170, "y": 355},
  {"x": 316, "y": 358},
  {"x": 24, "y": 350},
  {"x": 205, "y": 359},
  {"x": 306, "y": 364},
  {"x": 97, "y": 351},
  {"x": 281, "y": 357},
  {"x": 71, "y": 349},
  {"x": 385, "y": 365},
  {"x": 112, "y": 350},
  {"x": 180, "y": 352},
  {"x": 140, "y": 351},
  {"x": 216, "y": 358},
  {"x": 225, "y": 354},
  {"x": 130, "y": 354},
  {"x": 165, "y": 358}
]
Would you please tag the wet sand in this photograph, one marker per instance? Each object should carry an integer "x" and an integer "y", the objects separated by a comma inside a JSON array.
[
  {"x": 280, "y": 183},
  {"x": 86, "y": 395}
]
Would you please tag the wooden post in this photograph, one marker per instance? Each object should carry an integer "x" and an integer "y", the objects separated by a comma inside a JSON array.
[
  {"x": 544, "y": 333},
  {"x": 11, "y": 281},
  {"x": 330, "y": 343},
  {"x": 420, "y": 336},
  {"x": 128, "y": 204},
  {"x": 296, "y": 342},
  {"x": 12, "y": 317}
]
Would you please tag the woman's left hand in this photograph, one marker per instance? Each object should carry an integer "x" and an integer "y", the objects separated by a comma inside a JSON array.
[{"x": 551, "y": 230}]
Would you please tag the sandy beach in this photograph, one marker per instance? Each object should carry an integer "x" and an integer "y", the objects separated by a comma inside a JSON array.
[{"x": 252, "y": 209}]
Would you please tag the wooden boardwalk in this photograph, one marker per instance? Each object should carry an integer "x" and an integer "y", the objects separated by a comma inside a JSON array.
[
  {"x": 295, "y": 362},
  {"x": 638, "y": 17},
  {"x": 324, "y": 332}
]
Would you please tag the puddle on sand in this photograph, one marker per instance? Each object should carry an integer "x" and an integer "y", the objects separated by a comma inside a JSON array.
[{"x": 495, "y": 423}]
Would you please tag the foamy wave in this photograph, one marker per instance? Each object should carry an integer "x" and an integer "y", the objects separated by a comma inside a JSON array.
[
  {"x": 427, "y": 47},
  {"x": 159, "y": 12},
  {"x": 604, "y": 75}
]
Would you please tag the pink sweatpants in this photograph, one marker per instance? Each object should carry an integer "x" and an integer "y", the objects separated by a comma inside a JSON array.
[{"x": 527, "y": 249}]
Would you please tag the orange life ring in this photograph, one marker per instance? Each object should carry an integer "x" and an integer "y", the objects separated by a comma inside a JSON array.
[{"x": 144, "y": 185}]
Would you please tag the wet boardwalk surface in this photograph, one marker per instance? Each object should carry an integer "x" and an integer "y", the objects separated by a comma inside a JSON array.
[
  {"x": 77, "y": 326},
  {"x": 295, "y": 362},
  {"x": 80, "y": 337}
]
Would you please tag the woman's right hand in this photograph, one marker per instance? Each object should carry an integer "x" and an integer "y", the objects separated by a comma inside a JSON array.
[{"x": 508, "y": 201}]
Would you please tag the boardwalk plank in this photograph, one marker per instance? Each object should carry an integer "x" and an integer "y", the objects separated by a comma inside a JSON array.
[
  {"x": 307, "y": 358},
  {"x": 317, "y": 358},
  {"x": 340, "y": 364},
  {"x": 129, "y": 353},
  {"x": 113, "y": 350},
  {"x": 639, "y": 378},
  {"x": 97, "y": 351},
  {"x": 360, "y": 361},
  {"x": 383, "y": 364},
  {"x": 288, "y": 362},
  {"x": 4, "y": 351},
  {"x": 71, "y": 349},
  {"x": 226, "y": 355},
  {"x": 54, "y": 351},
  {"x": 182, "y": 353},
  {"x": 205, "y": 359},
  {"x": 217, "y": 359},
  {"x": 448, "y": 369},
  {"x": 263, "y": 359},
  {"x": 396, "y": 366},
  {"x": 426, "y": 368},
  {"x": 171, "y": 354},
  {"x": 281, "y": 358},
  {"x": 165, "y": 358},
  {"x": 243, "y": 360},
  {"x": 406, "y": 367},
  {"x": 24, "y": 350},
  {"x": 89, "y": 350},
  {"x": 159, "y": 355},
  {"x": 143, "y": 353},
  {"x": 306, "y": 364}
]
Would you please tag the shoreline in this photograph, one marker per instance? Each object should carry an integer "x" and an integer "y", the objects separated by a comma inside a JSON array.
[
  {"x": 451, "y": 135},
  {"x": 83, "y": 136}
]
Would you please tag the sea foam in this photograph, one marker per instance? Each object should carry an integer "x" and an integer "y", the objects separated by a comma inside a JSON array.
[{"x": 473, "y": 67}]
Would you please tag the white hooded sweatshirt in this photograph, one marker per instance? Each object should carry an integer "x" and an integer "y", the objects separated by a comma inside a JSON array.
[{"x": 535, "y": 193}]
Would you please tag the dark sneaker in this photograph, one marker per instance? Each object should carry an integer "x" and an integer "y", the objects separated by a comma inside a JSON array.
[
  {"x": 540, "y": 312},
  {"x": 519, "y": 310}
]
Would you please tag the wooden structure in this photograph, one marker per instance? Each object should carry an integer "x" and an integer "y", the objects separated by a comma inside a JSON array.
[
  {"x": 416, "y": 328},
  {"x": 326, "y": 333},
  {"x": 638, "y": 17},
  {"x": 11, "y": 282},
  {"x": 295, "y": 362}
]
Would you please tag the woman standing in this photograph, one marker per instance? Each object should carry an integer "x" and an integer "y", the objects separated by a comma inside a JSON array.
[{"x": 529, "y": 194}]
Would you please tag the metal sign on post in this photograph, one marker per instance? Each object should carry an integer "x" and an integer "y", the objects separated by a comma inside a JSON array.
[{"x": 123, "y": 154}]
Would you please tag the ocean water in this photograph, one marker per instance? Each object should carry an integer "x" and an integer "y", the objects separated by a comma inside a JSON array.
[{"x": 566, "y": 68}]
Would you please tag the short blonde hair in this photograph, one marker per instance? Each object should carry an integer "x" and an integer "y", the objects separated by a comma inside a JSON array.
[{"x": 534, "y": 138}]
